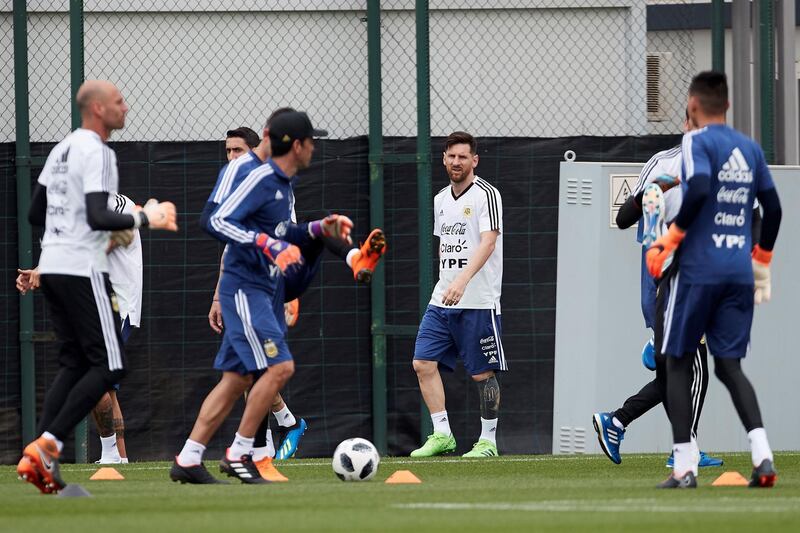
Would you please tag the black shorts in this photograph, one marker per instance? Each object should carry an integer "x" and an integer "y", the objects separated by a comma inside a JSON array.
[{"x": 86, "y": 319}]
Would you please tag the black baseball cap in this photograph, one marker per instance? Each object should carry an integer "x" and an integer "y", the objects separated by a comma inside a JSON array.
[
  {"x": 290, "y": 126},
  {"x": 250, "y": 137}
]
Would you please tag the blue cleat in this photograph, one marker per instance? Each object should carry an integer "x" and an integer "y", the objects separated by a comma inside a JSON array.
[
  {"x": 649, "y": 355},
  {"x": 608, "y": 435},
  {"x": 291, "y": 440},
  {"x": 705, "y": 460}
]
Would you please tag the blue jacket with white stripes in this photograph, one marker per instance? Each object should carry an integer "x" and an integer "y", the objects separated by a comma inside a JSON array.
[{"x": 262, "y": 203}]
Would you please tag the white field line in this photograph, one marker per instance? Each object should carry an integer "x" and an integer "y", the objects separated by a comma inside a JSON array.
[
  {"x": 718, "y": 505},
  {"x": 404, "y": 461}
]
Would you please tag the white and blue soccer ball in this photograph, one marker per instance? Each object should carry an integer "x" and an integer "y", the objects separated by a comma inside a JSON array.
[{"x": 356, "y": 460}]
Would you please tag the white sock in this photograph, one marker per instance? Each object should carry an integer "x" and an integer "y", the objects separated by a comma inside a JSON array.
[
  {"x": 191, "y": 454},
  {"x": 260, "y": 453},
  {"x": 617, "y": 423},
  {"x": 759, "y": 447},
  {"x": 240, "y": 446},
  {"x": 50, "y": 436},
  {"x": 440, "y": 423},
  {"x": 686, "y": 457},
  {"x": 270, "y": 444},
  {"x": 350, "y": 255},
  {"x": 489, "y": 430},
  {"x": 110, "y": 450},
  {"x": 285, "y": 417}
]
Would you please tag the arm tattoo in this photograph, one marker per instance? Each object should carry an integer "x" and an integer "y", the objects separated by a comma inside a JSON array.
[{"x": 489, "y": 392}]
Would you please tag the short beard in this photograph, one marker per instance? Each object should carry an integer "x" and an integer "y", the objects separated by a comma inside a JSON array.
[{"x": 462, "y": 176}]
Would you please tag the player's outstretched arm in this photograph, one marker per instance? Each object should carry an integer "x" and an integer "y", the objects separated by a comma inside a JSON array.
[{"x": 156, "y": 215}]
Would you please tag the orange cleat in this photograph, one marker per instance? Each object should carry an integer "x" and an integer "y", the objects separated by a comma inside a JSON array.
[
  {"x": 43, "y": 455},
  {"x": 268, "y": 470},
  {"x": 27, "y": 472},
  {"x": 367, "y": 257},
  {"x": 291, "y": 312}
]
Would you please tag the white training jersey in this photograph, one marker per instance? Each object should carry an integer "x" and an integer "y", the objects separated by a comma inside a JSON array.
[
  {"x": 459, "y": 222},
  {"x": 125, "y": 267},
  {"x": 80, "y": 164},
  {"x": 665, "y": 162}
]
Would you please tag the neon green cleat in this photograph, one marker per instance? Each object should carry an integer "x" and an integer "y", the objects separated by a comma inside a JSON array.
[
  {"x": 483, "y": 448},
  {"x": 437, "y": 444}
]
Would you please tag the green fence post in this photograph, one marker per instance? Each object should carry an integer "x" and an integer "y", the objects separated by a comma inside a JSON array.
[
  {"x": 718, "y": 35},
  {"x": 76, "y": 78},
  {"x": 24, "y": 235},
  {"x": 424, "y": 193},
  {"x": 378, "y": 284},
  {"x": 766, "y": 75}
]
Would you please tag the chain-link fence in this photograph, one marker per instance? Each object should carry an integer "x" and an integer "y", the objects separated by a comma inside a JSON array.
[{"x": 505, "y": 70}]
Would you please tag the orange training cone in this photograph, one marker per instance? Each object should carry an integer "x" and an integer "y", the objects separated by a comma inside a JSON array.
[
  {"x": 107, "y": 473},
  {"x": 730, "y": 479},
  {"x": 403, "y": 477}
]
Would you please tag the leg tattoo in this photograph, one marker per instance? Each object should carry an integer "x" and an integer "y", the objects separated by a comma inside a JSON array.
[
  {"x": 119, "y": 427},
  {"x": 489, "y": 392},
  {"x": 103, "y": 417}
]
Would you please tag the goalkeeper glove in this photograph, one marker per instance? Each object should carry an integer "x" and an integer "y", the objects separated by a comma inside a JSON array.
[
  {"x": 763, "y": 285},
  {"x": 281, "y": 253},
  {"x": 336, "y": 226},
  {"x": 662, "y": 249},
  {"x": 157, "y": 215}
]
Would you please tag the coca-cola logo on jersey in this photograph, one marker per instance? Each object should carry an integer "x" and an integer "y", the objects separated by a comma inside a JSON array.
[
  {"x": 733, "y": 196},
  {"x": 459, "y": 228}
]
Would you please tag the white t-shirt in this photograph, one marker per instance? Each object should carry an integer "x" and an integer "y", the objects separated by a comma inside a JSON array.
[
  {"x": 125, "y": 267},
  {"x": 459, "y": 222},
  {"x": 664, "y": 162},
  {"x": 78, "y": 165}
]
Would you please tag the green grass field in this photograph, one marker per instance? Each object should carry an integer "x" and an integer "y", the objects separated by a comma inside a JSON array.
[{"x": 512, "y": 493}]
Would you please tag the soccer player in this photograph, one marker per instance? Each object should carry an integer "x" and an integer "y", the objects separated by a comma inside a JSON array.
[
  {"x": 664, "y": 171},
  {"x": 717, "y": 279},
  {"x": 71, "y": 201},
  {"x": 463, "y": 317},
  {"x": 125, "y": 273},
  {"x": 258, "y": 211},
  {"x": 243, "y": 141}
]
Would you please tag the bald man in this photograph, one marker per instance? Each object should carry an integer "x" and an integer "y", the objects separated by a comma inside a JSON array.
[{"x": 71, "y": 201}]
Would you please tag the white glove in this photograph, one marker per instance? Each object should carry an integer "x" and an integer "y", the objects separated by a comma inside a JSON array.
[
  {"x": 161, "y": 215},
  {"x": 763, "y": 286},
  {"x": 123, "y": 237}
]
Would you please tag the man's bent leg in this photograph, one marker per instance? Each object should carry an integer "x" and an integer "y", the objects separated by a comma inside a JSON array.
[{"x": 218, "y": 404}]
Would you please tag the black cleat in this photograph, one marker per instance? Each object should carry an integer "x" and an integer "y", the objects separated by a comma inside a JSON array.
[
  {"x": 686, "y": 482},
  {"x": 764, "y": 475},
  {"x": 196, "y": 475},
  {"x": 244, "y": 469}
]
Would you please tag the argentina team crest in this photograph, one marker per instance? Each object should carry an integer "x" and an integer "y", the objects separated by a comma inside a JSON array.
[
  {"x": 114, "y": 303},
  {"x": 467, "y": 211},
  {"x": 270, "y": 348}
]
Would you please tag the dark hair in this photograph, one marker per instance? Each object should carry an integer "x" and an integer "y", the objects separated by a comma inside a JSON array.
[
  {"x": 711, "y": 88},
  {"x": 461, "y": 137},
  {"x": 250, "y": 137}
]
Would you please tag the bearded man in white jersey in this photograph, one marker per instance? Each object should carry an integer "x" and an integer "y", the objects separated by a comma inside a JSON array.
[{"x": 462, "y": 320}]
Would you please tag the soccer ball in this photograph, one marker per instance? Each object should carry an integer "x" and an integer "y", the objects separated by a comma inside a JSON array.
[{"x": 355, "y": 460}]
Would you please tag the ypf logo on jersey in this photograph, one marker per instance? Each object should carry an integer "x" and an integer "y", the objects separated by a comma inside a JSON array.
[{"x": 270, "y": 348}]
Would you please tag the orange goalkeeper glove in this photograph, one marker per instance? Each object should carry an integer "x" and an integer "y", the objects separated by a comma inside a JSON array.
[
  {"x": 662, "y": 249},
  {"x": 280, "y": 253},
  {"x": 761, "y": 276}
]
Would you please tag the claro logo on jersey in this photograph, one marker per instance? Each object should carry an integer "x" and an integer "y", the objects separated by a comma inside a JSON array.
[{"x": 459, "y": 228}]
